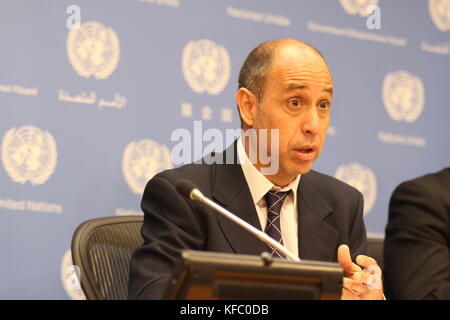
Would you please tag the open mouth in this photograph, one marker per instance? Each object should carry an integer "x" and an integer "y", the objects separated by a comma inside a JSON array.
[{"x": 305, "y": 153}]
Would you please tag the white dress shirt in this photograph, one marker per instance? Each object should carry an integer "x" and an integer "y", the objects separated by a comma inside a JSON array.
[{"x": 259, "y": 185}]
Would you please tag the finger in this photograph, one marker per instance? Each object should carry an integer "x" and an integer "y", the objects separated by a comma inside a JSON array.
[
  {"x": 365, "y": 261},
  {"x": 346, "y": 289},
  {"x": 370, "y": 279},
  {"x": 360, "y": 276},
  {"x": 355, "y": 287},
  {"x": 364, "y": 278},
  {"x": 345, "y": 260},
  {"x": 374, "y": 281},
  {"x": 348, "y": 295},
  {"x": 374, "y": 269}
]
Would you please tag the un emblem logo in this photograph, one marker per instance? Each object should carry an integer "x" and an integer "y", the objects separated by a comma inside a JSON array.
[
  {"x": 70, "y": 278},
  {"x": 440, "y": 13},
  {"x": 403, "y": 96},
  {"x": 361, "y": 178},
  {"x": 29, "y": 154},
  {"x": 93, "y": 49},
  {"x": 142, "y": 160},
  {"x": 359, "y": 7},
  {"x": 206, "y": 66}
]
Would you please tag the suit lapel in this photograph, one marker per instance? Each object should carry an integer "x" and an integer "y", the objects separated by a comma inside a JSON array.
[
  {"x": 318, "y": 239},
  {"x": 230, "y": 189}
]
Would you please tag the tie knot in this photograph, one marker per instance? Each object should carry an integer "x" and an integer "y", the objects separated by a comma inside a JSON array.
[{"x": 274, "y": 201}]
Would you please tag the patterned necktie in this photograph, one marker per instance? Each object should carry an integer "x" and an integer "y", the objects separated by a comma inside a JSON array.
[{"x": 274, "y": 201}]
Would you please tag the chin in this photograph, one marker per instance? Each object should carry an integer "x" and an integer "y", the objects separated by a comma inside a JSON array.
[
  {"x": 305, "y": 171},
  {"x": 297, "y": 166},
  {"x": 302, "y": 169}
]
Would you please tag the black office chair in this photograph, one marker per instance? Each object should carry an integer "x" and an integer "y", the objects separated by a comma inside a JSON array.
[
  {"x": 375, "y": 247},
  {"x": 102, "y": 249}
]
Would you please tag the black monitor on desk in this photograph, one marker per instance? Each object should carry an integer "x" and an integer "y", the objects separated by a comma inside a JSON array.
[{"x": 208, "y": 275}]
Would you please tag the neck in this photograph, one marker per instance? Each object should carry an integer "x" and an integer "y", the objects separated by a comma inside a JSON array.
[{"x": 280, "y": 179}]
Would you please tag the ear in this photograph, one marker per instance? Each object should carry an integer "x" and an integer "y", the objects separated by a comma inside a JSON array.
[{"x": 247, "y": 104}]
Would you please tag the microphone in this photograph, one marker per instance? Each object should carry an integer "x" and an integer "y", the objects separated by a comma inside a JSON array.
[{"x": 189, "y": 190}]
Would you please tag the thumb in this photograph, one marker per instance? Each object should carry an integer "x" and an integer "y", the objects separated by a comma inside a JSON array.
[{"x": 345, "y": 260}]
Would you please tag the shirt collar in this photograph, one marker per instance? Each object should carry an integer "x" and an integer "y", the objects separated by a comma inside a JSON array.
[{"x": 258, "y": 184}]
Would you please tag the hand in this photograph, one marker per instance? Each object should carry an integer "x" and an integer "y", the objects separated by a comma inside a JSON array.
[{"x": 360, "y": 284}]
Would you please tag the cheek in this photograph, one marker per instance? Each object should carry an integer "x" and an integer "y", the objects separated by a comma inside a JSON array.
[
  {"x": 323, "y": 135},
  {"x": 288, "y": 136},
  {"x": 262, "y": 120},
  {"x": 270, "y": 120},
  {"x": 266, "y": 118}
]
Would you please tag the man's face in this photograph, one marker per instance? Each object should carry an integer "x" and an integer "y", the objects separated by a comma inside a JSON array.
[{"x": 296, "y": 100}]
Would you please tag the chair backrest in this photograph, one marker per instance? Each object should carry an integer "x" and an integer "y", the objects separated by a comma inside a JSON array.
[
  {"x": 375, "y": 250},
  {"x": 102, "y": 250}
]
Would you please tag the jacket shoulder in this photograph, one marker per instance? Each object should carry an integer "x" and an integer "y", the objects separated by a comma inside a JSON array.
[
  {"x": 199, "y": 174},
  {"x": 330, "y": 185},
  {"x": 433, "y": 185},
  {"x": 441, "y": 178}
]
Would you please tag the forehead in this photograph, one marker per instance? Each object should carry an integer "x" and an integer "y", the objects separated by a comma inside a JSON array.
[{"x": 294, "y": 65}]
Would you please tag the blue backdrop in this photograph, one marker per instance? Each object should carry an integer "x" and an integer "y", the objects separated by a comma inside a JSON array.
[{"x": 92, "y": 92}]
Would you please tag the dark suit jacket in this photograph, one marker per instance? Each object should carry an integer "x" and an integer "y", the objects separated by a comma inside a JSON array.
[
  {"x": 416, "y": 252},
  {"x": 330, "y": 214}
]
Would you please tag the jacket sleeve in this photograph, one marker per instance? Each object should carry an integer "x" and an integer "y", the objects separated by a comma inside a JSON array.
[
  {"x": 170, "y": 225},
  {"x": 417, "y": 260}
]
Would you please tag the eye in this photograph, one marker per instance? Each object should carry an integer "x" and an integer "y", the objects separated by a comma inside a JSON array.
[
  {"x": 324, "y": 105},
  {"x": 294, "y": 103}
]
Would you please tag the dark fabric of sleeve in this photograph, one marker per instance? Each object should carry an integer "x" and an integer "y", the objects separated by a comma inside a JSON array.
[
  {"x": 169, "y": 227},
  {"x": 416, "y": 253}
]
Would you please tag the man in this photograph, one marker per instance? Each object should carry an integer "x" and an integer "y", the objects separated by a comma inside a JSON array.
[
  {"x": 417, "y": 244},
  {"x": 285, "y": 90}
]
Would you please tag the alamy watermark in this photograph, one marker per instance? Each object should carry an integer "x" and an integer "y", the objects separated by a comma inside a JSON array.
[
  {"x": 72, "y": 277},
  {"x": 374, "y": 281},
  {"x": 263, "y": 146},
  {"x": 74, "y": 19},
  {"x": 374, "y": 19}
]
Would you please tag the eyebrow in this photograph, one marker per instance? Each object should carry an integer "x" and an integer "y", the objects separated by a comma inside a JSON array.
[{"x": 301, "y": 86}]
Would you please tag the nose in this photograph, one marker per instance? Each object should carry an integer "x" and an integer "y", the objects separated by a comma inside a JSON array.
[{"x": 310, "y": 122}]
